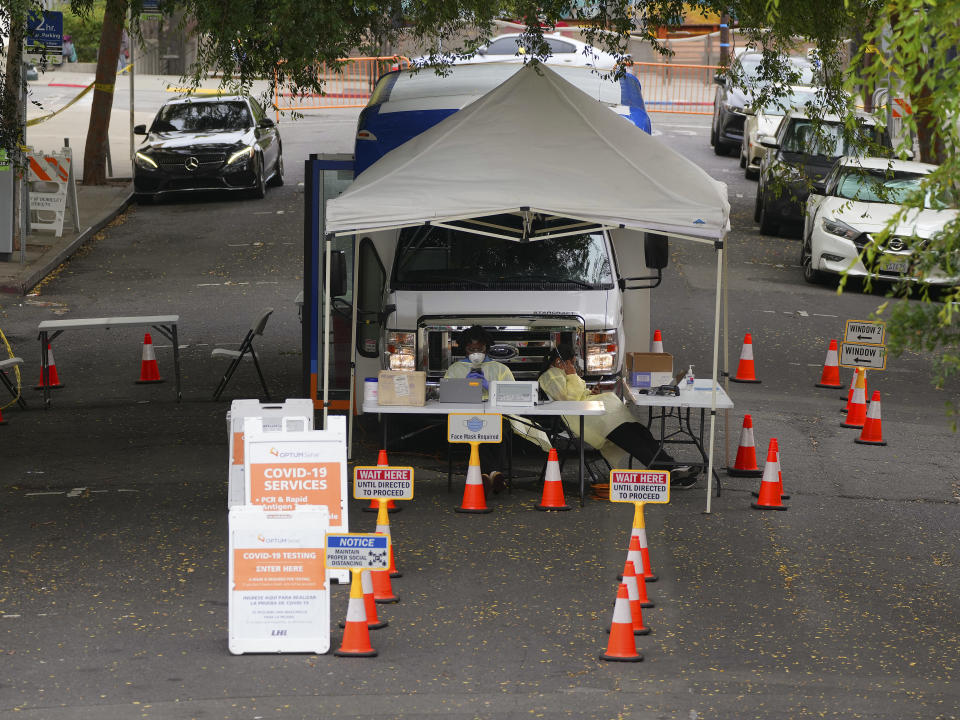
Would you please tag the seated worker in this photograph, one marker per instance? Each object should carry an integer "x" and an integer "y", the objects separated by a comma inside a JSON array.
[
  {"x": 616, "y": 431},
  {"x": 474, "y": 342}
]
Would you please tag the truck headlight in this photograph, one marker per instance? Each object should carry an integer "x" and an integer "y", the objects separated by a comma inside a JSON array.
[
  {"x": 401, "y": 350},
  {"x": 601, "y": 352},
  {"x": 145, "y": 161}
]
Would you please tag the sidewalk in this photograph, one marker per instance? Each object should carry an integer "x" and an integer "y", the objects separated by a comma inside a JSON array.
[{"x": 44, "y": 251}]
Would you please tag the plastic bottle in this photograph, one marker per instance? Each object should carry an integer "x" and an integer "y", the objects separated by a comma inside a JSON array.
[{"x": 690, "y": 378}]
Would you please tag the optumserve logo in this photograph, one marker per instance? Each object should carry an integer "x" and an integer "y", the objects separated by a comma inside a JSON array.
[
  {"x": 294, "y": 454},
  {"x": 270, "y": 540}
]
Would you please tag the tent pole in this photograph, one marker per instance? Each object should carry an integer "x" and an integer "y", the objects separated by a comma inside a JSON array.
[
  {"x": 326, "y": 327},
  {"x": 353, "y": 347},
  {"x": 713, "y": 391},
  {"x": 726, "y": 355}
]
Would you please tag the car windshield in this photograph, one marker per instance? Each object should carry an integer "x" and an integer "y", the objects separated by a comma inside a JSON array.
[
  {"x": 803, "y": 136},
  {"x": 796, "y": 100},
  {"x": 203, "y": 117},
  {"x": 453, "y": 259},
  {"x": 750, "y": 68},
  {"x": 876, "y": 185}
]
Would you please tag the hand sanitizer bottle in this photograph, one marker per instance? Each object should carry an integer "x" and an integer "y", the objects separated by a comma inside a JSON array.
[{"x": 690, "y": 378}]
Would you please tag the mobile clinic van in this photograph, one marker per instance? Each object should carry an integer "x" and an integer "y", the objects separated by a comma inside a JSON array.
[{"x": 531, "y": 211}]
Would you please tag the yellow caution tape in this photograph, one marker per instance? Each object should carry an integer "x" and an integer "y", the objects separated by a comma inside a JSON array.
[
  {"x": 104, "y": 87},
  {"x": 16, "y": 371},
  {"x": 43, "y": 118}
]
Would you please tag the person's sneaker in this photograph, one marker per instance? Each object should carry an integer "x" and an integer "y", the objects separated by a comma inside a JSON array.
[
  {"x": 684, "y": 477},
  {"x": 498, "y": 481}
]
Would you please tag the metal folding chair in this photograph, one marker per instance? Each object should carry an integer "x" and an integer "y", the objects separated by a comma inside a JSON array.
[
  {"x": 237, "y": 356},
  {"x": 14, "y": 391}
]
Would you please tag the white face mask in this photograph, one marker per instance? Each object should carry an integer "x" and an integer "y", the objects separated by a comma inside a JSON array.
[{"x": 476, "y": 358}]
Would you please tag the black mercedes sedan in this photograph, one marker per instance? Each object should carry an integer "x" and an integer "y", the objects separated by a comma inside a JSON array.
[{"x": 208, "y": 143}]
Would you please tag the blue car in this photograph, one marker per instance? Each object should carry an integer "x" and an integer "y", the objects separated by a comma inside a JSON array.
[{"x": 403, "y": 105}]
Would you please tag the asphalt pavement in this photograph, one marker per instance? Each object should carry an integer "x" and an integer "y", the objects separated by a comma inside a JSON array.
[{"x": 113, "y": 514}]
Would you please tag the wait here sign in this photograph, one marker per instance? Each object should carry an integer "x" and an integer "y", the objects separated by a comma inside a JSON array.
[
  {"x": 383, "y": 483},
  {"x": 646, "y": 486}
]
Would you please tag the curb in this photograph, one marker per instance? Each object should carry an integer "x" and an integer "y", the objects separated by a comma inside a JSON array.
[{"x": 23, "y": 285}]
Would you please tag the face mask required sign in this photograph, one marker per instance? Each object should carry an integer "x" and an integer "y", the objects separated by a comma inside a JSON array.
[
  {"x": 279, "y": 598},
  {"x": 474, "y": 427},
  {"x": 644, "y": 486}
]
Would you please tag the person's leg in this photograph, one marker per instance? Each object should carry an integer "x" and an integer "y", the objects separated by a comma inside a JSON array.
[
  {"x": 493, "y": 461},
  {"x": 637, "y": 440}
]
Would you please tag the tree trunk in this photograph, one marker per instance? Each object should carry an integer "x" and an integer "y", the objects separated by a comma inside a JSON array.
[
  {"x": 931, "y": 144},
  {"x": 95, "y": 151},
  {"x": 13, "y": 108}
]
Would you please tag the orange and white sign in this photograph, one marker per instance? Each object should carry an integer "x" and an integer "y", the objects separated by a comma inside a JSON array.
[
  {"x": 279, "y": 598},
  {"x": 280, "y": 487}
]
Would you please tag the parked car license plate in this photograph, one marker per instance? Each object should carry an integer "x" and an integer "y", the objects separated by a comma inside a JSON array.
[{"x": 899, "y": 266}]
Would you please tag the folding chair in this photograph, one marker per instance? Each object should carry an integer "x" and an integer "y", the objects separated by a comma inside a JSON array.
[
  {"x": 4, "y": 366},
  {"x": 236, "y": 356}
]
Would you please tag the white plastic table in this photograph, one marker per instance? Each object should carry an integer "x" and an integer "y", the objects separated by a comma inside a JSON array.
[
  {"x": 49, "y": 330},
  {"x": 581, "y": 408},
  {"x": 700, "y": 397}
]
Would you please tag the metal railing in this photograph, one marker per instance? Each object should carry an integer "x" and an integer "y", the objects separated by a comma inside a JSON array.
[
  {"x": 346, "y": 85},
  {"x": 673, "y": 88}
]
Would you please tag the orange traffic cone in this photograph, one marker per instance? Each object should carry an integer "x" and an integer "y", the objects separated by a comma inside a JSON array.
[
  {"x": 830, "y": 377},
  {"x": 369, "y": 604},
  {"x": 552, "y": 498},
  {"x": 383, "y": 528},
  {"x": 391, "y": 504},
  {"x": 356, "y": 634},
  {"x": 746, "y": 463},
  {"x": 51, "y": 380},
  {"x": 382, "y": 587},
  {"x": 857, "y": 371},
  {"x": 745, "y": 370},
  {"x": 474, "y": 500},
  {"x": 2, "y": 421},
  {"x": 769, "y": 496},
  {"x": 657, "y": 345},
  {"x": 635, "y": 555},
  {"x": 632, "y": 581},
  {"x": 872, "y": 433},
  {"x": 621, "y": 647},
  {"x": 783, "y": 495},
  {"x": 639, "y": 531},
  {"x": 149, "y": 370},
  {"x": 857, "y": 411}
]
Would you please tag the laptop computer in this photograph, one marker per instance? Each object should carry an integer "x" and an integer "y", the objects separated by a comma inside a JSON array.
[{"x": 461, "y": 390}]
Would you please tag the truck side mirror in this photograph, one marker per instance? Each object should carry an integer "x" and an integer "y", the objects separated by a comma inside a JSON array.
[
  {"x": 656, "y": 251},
  {"x": 338, "y": 273}
]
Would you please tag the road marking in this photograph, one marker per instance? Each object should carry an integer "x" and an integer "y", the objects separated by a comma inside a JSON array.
[
  {"x": 798, "y": 313},
  {"x": 12, "y": 616},
  {"x": 76, "y": 492},
  {"x": 781, "y": 266},
  {"x": 51, "y": 492}
]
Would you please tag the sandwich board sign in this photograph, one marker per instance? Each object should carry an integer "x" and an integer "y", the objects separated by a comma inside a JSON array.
[
  {"x": 284, "y": 471},
  {"x": 640, "y": 486},
  {"x": 279, "y": 594}
]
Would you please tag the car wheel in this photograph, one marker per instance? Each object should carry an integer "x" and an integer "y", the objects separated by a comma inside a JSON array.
[
  {"x": 814, "y": 277},
  {"x": 722, "y": 148},
  {"x": 757, "y": 204},
  {"x": 277, "y": 179},
  {"x": 751, "y": 173},
  {"x": 743, "y": 159},
  {"x": 768, "y": 226},
  {"x": 713, "y": 131},
  {"x": 260, "y": 189}
]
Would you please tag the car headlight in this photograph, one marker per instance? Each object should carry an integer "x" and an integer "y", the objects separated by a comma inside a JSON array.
[
  {"x": 601, "y": 352},
  {"x": 840, "y": 229},
  {"x": 401, "y": 350},
  {"x": 240, "y": 155},
  {"x": 145, "y": 161}
]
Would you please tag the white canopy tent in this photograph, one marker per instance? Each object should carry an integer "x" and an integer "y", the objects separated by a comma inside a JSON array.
[{"x": 538, "y": 148}]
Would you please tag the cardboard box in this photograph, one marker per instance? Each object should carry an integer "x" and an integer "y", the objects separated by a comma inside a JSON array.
[
  {"x": 402, "y": 388},
  {"x": 647, "y": 370}
]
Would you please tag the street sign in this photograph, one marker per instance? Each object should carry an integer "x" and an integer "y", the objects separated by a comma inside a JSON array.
[
  {"x": 279, "y": 594},
  {"x": 358, "y": 551},
  {"x": 474, "y": 427},
  {"x": 865, "y": 332},
  {"x": 646, "y": 486},
  {"x": 868, "y": 356},
  {"x": 44, "y": 37},
  {"x": 384, "y": 483}
]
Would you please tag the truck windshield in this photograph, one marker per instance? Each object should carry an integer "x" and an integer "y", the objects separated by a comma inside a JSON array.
[{"x": 430, "y": 257}]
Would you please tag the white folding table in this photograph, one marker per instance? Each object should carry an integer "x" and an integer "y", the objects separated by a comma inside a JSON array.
[
  {"x": 700, "y": 397},
  {"x": 581, "y": 408},
  {"x": 166, "y": 325}
]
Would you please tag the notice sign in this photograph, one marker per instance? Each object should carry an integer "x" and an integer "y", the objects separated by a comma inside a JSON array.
[
  {"x": 646, "y": 486},
  {"x": 279, "y": 597},
  {"x": 372, "y": 483},
  {"x": 358, "y": 551},
  {"x": 864, "y": 332},
  {"x": 868, "y": 356},
  {"x": 474, "y": 427}
]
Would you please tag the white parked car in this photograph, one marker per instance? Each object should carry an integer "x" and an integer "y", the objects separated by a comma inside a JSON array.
[
  {"x": 858, "y": 198},
  {"x": 764, "y": 121},
  {"x": 508, "y": 48}
]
